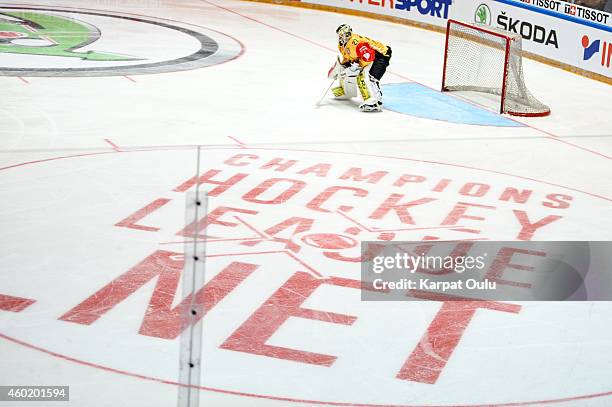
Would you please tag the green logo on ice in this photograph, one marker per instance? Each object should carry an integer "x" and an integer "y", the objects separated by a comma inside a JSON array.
[
  {"x": 33, "y": 33},
  {"x": 483, "y": 15},
  {"x": 57, "y": 42}
]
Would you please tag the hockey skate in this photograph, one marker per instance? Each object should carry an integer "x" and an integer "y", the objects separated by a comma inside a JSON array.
[{"x": 371, "y": 106}]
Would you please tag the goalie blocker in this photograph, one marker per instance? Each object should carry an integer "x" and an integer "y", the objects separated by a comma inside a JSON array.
[{"x": 364, "y": 62}]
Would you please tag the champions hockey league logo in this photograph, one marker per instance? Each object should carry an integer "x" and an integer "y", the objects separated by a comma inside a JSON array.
[{"x": 282, "y": 231}]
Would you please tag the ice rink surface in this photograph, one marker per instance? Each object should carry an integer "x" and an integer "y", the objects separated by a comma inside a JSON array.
[{"x": 95, "y": 170}]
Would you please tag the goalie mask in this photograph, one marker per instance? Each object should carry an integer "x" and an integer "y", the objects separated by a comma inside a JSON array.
[{"x": 344, "y": 33}]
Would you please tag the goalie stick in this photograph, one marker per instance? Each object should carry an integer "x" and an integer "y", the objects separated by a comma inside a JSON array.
[
  {"x": 332, "y": 74},
  {"x": 325, "y": 93}
]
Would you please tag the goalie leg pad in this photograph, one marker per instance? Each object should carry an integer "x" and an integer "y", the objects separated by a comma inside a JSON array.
[
  {"x": 363, "y": 87},
  {"x": 369, "y": 88},
  {"x": 347, "y": 83},
  {"x": 338, "y": 91}
]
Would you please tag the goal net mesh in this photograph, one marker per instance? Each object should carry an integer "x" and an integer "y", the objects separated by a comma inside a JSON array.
[{"x": 480, "y": 58}]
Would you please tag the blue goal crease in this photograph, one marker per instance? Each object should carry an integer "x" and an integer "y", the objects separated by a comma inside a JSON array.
[{"x": 420, "y": 101}]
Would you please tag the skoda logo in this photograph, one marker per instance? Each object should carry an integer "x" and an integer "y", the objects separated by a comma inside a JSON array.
[{"x": 483, "y": 15}]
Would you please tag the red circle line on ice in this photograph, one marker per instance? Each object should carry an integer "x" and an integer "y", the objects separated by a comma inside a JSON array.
[
  {"x": 317, "y": 402},
  {"x": 342, "y": 240}
]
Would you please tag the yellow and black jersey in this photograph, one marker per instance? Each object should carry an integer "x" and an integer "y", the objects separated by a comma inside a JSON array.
[{"x": 350, "y": 54}]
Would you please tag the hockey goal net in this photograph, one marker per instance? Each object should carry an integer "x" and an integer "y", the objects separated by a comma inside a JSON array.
[{"x": 480, "y": 58}]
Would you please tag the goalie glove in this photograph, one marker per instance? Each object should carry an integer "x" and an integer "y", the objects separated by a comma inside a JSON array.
[
  {"x": 338, "y": 70},
  {"x": 352, "y": 70},
  {"x": 335, "y": 70}
]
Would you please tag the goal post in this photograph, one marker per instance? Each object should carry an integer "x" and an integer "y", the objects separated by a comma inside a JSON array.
[{"x": 480, "y": 58}]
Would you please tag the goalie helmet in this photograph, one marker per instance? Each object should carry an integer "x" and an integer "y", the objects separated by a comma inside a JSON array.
[{"x": 344, "y": 33}]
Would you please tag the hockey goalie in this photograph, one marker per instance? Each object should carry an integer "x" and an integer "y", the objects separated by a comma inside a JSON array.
[{"x": 364, "y": 62}]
